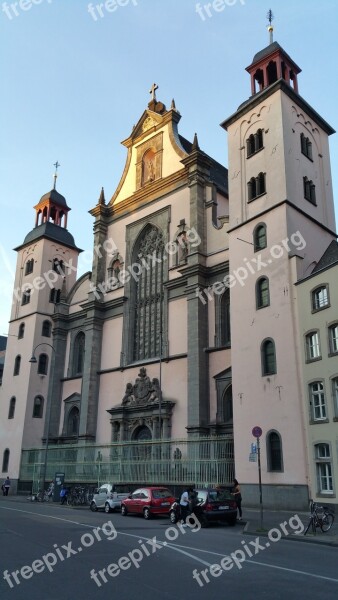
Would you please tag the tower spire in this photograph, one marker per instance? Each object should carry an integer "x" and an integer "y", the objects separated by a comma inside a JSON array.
[
  {"x": 270, "y": 18},
  {"x": 56, "y": 165}
]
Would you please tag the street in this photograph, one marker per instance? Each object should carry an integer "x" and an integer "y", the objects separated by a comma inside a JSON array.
[{"x": 52, "y": 552}]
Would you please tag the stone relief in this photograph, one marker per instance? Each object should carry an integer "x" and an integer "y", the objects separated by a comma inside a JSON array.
[{"x": 144, "y": 391}]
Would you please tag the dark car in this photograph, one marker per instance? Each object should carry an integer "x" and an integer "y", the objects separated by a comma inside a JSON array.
[
  {"x": 148, "y": 501},
  {"x": 212, "y": 505}
]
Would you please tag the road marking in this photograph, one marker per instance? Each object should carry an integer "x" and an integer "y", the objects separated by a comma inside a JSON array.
[{"x": 28, "y": 512}]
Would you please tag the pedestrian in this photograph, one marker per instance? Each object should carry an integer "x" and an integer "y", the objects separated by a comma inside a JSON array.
[
  {"x": 238, "y": 498},
  {"x": 184, "y": 507},
  {"x": 193, "y": 500},
  {"x": 6, "y": 485},
  {"x": 50, "y": 490},
  {"x": 63, "y": 494}
]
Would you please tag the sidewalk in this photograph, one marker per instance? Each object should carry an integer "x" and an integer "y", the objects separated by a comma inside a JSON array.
[
  {"x": 251, "y": 522},
  {"x": 274, "y": 519}
]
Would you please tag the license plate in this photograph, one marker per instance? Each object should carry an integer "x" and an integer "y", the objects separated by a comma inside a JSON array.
[
  {"x": 165, "y": 504},
  {"x": 223, "y": 508}
]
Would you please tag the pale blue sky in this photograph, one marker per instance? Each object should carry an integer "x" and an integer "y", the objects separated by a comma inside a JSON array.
[{"x": 73, "y": 86}]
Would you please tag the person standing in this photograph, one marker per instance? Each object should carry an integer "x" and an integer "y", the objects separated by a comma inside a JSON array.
[
  {"x": 6, "y": 486},
  {"x": 184, "y": 506},
  {"x": 238, "y": 498},
  {"x": 63, "y": 494}
]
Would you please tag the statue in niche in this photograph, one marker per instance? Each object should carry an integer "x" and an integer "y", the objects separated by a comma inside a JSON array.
[
  {"x": 183, "y": 247},
  {"x": 156, "y": 393},
  {"x": 148, "y": 167},
  {"x": 142, "y": 387}
]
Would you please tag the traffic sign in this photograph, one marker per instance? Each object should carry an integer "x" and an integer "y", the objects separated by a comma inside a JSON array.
[{"x": 257, "y": 432}]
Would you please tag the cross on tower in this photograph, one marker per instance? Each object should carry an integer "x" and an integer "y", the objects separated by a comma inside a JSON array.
[
  {"x": 152, "y": 91},
  {"x": 56, "y": 165}
]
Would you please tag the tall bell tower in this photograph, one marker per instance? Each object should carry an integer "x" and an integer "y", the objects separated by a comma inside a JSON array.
[
  {"x": 46, "y": 269},
  {"x": 281, "y": 221}
]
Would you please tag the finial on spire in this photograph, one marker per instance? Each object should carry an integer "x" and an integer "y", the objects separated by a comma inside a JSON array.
[
  {"x": 270, "y": 18},
  {"x": 195, "y": 145},
  {"x": 152, "y": 91},
  {"x": 173, "y": 105},
  {"x": 56, "y": 165},
  {"x": 102, "y": 199}
]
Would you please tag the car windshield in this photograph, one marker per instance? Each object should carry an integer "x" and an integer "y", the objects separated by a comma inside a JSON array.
[
  {"x": 219, "y": 495},
  {"x": 162, "y": 494}
]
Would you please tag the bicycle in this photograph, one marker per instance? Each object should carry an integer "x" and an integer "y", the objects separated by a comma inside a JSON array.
[{"x": 320, "y": 517}]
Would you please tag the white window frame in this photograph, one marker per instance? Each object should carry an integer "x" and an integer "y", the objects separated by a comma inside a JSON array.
[
  {"x": 312, "y": 345},
  {"x": 333, "y": 338},
  {"x": 334, "y": 382},
  {"x": 317, "y": 399},
  {"x": 320, "y": 297},
  {"x": 324, "y": 469}
]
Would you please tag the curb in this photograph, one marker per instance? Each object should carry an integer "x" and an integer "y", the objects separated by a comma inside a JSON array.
[{"x": 292, "y": 537}]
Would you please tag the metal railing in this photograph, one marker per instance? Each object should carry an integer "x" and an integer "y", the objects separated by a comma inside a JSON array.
[{"x": 200, "y": 461}]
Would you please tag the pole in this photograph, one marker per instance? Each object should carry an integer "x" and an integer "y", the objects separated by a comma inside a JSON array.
[{"x": 260, "y": 482}]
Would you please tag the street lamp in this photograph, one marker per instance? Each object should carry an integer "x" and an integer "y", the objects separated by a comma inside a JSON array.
[{"x": 33, "y": 360}]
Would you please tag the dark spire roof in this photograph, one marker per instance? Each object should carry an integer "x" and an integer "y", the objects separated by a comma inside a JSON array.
[
  {"x": 52, "y": 232},
  {"x": 269, "y": 50},
  {"x": 56, "y": 198}
]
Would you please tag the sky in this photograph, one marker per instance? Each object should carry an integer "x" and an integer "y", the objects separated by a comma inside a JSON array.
[{"x": 76, "y": 77}]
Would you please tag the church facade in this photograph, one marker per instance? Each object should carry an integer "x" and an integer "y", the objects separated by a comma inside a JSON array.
[{"x": 187, "y": 328}]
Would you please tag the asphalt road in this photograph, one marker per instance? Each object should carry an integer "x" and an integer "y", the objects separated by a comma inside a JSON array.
[{"x": 49, "y": 552}]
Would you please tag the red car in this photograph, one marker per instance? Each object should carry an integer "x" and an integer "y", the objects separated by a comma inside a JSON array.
[{"x": 148, "y": 501}]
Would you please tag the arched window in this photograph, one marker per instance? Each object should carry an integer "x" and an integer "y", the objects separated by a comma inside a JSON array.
[
  {"x": 38, "y": 407},
  {"x": 227, "y": 405},
  {"x": 225, "y": 318},
  {"x": 324, "y": 468},
  {"x": 46, "y": 329},
  {"x": 29, "y": 266},
  {"x": 43, "y": 364},
  {"x": 268, "y": 357},
  {"x": 26, "y": 297},
  {"x": 252, "y": 188},
  {"x": 147, "y": 290},
  {"x": 148, "y": 167},
  {"x": 274, "y": 451},
  {"x": 306, "y": 146},
  {"x": 73, "y": 421},
  {"x": 58, "y": 266},
  {"x": 260, "y": 188},
  {"x": 262, "y": 293},
  {"x": 250, "y": 145},
  {"x": 54, "y": 296},
  {"x": 79, "y": 353},
  {"x": 271, "y": 72},
  {"x": 11, "y": 410},
  {"x": 21, "y": 331},
  {"x": 142, "y": 451},
  {"x": 17, "y": 365},
  {"x": 5, "y": 461},
  {"x": 254, "y": 142},
  {"x": 259, "y": 237}
]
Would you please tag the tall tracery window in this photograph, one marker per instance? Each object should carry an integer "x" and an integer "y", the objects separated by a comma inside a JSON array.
[
  {"x": 148, "y": 294},
  {"x": 73, "y": 421},
  {"x": 225, "y": 336},
  {"x": 79, "y": 352}
]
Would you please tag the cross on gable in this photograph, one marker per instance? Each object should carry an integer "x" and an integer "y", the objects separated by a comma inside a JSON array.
[{"x": 152, "y": 91}]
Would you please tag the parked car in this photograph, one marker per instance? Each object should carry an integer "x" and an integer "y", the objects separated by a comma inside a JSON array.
[
  {"x": 109, "y": 497},
  {"x": 148, "y": 501},
  {"x": 212, "y": 504}
]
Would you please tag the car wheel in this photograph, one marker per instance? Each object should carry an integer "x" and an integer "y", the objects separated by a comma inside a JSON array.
[
  {"x": 232, "y": 521},
  {"x": 107, "y": 508},
  {"x": 124, "y": 511},
  {"x": 173, "y": 518},
  {"x": 92, "y": 506},
  {"x": 147, "y": 513}
]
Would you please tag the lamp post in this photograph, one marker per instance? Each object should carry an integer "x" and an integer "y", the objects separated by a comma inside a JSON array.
[{"x": 33, "y": 360}]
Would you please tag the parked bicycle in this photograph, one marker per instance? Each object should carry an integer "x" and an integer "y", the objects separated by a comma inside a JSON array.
[{"x": 320, "y": 517}]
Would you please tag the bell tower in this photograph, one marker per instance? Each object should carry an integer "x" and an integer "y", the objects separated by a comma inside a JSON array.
[{"x": 46, "y": 270}]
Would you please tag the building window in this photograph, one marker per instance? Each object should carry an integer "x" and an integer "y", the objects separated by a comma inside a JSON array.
[
  {"x": 11, "y": 409},
  {"x": 306, "y": 146},
  {"x": 320, "y": 298},
  {"x": 73, "y": 421},
  {"x": 222, "y": 308},
  {"x": 148, "y": 294},
  {"x": 309, "y": 190},
  {"x": 324, "y": 468},
  {"x": 26, "y": 297},
  {"x": 333, "y": 338},
  {"x": 38, "y": 407},
  {"x": 274, "y": 451},
  {"x": 312, "y": 346},
  {"x": 43, "y": 364},
  {"x": 17, "y": 365},
  {"x": 259, "y": 237},
  {"x": 46, "y": 329},
  {"x": 79, "y": 353},
  {"x": 58, "y": 266},
  {"x": 5, "y": 461},
  {"x": 262, "y": 293},
  {"x": 254, "y": 143},
  {"x": 335, "y": 396},
  {"x": 21, "y": 331},
  {"x": 268, "y": 356},
  {"x": 54, "y": 296},
  {"x": 29, "y": 266},
  {"x": 256, "y": 186},
  {"x": 317, "y": 401}
]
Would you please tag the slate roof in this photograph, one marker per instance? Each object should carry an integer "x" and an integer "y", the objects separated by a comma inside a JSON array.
[
  {"x": 329, "y": 258},
  {"x": 52, "y": 232},
  {"x": 269, "y": 50},
  {"x": 56, "y": 198},
  {"x": 218, "y": 173}
]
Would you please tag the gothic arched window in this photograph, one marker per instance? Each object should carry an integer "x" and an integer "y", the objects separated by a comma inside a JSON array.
[
  {"x": 148, "y": 294},
  {"x": 5, "y": 461},
  {"x": 78, "y": 354},
  {"x": 43, "y": 364},
  {"x": 73, "y": 421}
]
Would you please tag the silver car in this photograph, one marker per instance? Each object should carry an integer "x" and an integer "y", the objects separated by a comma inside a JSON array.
[{"x": 109, "y": 497}]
